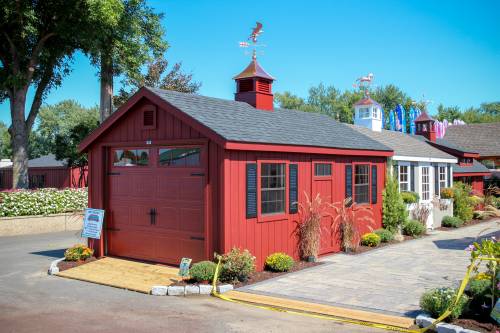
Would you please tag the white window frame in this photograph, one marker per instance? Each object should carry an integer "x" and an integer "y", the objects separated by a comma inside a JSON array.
[
  {"x": 407, "y": 182},
  {"x": 444, "y": 179},
  {"x": 375, "y": 112},
  {"x": 364, "y": 113},
  {"x": 425, "y": 187}
]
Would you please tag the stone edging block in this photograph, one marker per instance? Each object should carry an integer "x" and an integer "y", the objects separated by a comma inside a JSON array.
[
  {"x": 202, "y": 289},
  {"x": 53, "y": 269},
  {"x": 424, "y": 320}
]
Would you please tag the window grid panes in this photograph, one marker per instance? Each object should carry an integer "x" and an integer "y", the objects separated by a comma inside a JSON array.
[
  {"x": 375, "y": 113},
  {"x": 364, "y": 113},
  {"x": 404, "y": 178},
  {"x": 130, "y": 157},
  {"x": 362, "y": 183},
  {"x": 442, "y": 177},
  {"x": 322, "y": 169},
  {"x": 272, "y": 188},
  {"x": 179, "y": 157},
  {"x": 425, "y": 183}
]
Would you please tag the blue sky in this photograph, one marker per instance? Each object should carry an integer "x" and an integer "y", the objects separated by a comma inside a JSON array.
[{"x": 447, "y": 50}]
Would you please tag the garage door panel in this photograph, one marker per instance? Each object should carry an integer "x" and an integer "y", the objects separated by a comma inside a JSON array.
[
  {"x": 168, "y": 188},
  {"x": 120, "y": 216},
  {"x": 192, "y": 189},
  {"x": 192, "y": 249},
  {"x": 130, "y": 244},
  {"x": 192, "y": 220},
  {"x": 168, "y": 218},
  {"x": 168, "y": 249},
  {"x": 139, "y": 215}
]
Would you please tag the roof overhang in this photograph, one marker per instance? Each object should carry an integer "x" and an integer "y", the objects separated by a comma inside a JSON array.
[
  {"x": 467, "y": 174},
  {"x": 304, "y": 149},
  {"x": 455, "y": 152},
  {"x": 424, "y": 159}
]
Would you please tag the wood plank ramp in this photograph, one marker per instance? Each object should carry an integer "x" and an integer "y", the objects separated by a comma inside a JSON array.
[{"x": 328, "y": 310}]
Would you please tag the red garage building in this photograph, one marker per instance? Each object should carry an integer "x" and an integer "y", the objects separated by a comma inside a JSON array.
[{"x": 183, "y": 175}]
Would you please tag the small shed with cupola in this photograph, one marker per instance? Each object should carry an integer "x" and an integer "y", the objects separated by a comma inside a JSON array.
[{"x": 184, "y": 175}]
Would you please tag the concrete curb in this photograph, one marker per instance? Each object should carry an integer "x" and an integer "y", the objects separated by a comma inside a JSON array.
[
  {"x": 201, "y": 289},
  {"x": 425, "y": 320},
  {"x": 53, "y": 269}
]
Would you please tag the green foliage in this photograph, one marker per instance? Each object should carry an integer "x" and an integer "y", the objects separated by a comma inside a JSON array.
[
  {"x": 42, "y": 202},
  {"x": 413, "y": 228},
  {"x": 486, "y": 113},
  {"x": 203, "y": 271},
  {"x": 237, "y": 265},
  {"x": 279, "y": 262},
  {"x": 480, "y": 294},
  {"x": 437, "y": 301},
  {"x": 5, "y": 149},
  {"x": 78, "y": 252},
  {"x": 462, "y": 205},
  {"x": 409, "y": 197},
  {"x": 370, "y": 239},
  {"x": 489, "y": 252},
  {"x": 393, "y": 208},
  {"x": 452, "y": 222},
  {"x": 385, "y": 235}
]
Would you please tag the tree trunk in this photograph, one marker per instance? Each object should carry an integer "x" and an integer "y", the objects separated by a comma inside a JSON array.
[
  {"x": 106, "y": 106},
  {"x": 19, "y": 140}
]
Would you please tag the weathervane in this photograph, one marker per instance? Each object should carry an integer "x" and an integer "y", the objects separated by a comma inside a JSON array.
[
  {"x": 423, "y": 102},
  {"x": 363, "y": 83},
  {"x": 253, "y": 40}
]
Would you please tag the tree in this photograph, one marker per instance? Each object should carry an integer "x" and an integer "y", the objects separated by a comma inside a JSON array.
[
  {"x": 5, "y": 151},
  {"x": 394, "y": 212},
  {"x": 129, "y": 35},
  {"x": 287, "y": 100},
  {"x": 157, "y": 77},
  {"x": 38, "y": 40},
  {"x": 449, "y": 112}
]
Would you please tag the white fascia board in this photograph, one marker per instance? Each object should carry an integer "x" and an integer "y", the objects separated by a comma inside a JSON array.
[{"x": 424, "y": 159}]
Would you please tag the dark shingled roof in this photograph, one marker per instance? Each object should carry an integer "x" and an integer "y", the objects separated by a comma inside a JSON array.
[
  {"x": 454, "y": 146},
  {"x": 404, "y": 144},
  {"x": 46, "y": 161},
  {"x": 475, "y": 167},
  {"x": 240, "y": 122},
  {"x": 481, "y": 138}
]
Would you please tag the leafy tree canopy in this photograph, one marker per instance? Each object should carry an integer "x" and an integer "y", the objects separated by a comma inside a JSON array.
[{"x": 5, "y": 150}]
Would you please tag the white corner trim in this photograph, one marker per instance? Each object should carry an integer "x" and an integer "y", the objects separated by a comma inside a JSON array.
[{"x": 424, "y": 159}]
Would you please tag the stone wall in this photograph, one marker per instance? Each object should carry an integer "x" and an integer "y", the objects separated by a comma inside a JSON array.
[{"x": 24, "y": 225}]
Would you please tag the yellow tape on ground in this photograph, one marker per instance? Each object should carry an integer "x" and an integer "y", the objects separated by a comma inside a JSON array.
[{"x": 460, "y": 292}]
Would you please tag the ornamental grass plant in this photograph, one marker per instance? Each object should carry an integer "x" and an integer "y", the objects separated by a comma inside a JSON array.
[{"x": 308, "y": 227}]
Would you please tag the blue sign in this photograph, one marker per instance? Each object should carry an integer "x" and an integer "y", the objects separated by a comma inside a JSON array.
[
  {"x": 184, "y": 267},
  {"x": 92, "y": 223}
]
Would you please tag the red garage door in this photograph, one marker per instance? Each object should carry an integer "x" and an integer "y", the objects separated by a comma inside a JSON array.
[{"x": 156, "y": 203}]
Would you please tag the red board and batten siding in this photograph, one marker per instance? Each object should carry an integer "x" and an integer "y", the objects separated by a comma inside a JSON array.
[
  {"x": 265, "y": 236},
  {"x": 55, "y": 177}
]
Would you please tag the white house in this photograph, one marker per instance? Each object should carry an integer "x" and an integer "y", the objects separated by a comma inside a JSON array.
[{"x": 419, "y": 167}]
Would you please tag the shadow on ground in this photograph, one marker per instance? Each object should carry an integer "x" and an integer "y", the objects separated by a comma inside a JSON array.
[
  {"x": 59, "y": 253},
  {"x": 462, "y": 243}
]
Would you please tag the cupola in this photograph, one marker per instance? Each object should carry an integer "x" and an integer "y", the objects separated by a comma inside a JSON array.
[
  {"x": 368, "y": 113},
  {"x": 425, "y": 127},
  {"x": 254, "y": 86}
]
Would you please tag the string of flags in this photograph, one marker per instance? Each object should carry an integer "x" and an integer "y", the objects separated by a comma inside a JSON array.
[{"x": 398, "y": 121}]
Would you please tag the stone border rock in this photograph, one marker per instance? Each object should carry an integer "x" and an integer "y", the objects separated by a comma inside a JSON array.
[
  {"x": 53, "y": 269},
  {"x": 424, "y": 320},
  {"x": 201, "y": 289}
]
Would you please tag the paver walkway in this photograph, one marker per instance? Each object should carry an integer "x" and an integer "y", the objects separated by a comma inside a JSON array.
[{"x": 387, "y": 280}]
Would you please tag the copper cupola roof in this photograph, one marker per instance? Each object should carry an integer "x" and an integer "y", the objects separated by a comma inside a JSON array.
[
  {"x": 423, "y": 117},
  {"x": 253, "y": 70},
  {"x": 366, "y": 101}
]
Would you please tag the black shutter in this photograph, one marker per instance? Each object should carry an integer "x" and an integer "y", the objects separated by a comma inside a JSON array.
[
  {"x": 436, "y": 180},
  {"x": 251, "y": 190},
  {"x": 293, "y": 189},
  {"x": 348, "y": 181},
  {"x": 450, "y": 177},
  {"x": 412, "y": 177},
  {"x": 395, "y": 174},
  {"x": 374, "y": 184}
]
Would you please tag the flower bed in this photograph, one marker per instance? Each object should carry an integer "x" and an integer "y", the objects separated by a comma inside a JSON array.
[
  {"x": 64, "y": 265},
  {"x": 466, "y": 224},
  {"x": 42, "y": 202}
]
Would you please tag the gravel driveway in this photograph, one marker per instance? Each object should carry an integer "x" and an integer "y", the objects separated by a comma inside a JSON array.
[{"x": 387, "y": 280}]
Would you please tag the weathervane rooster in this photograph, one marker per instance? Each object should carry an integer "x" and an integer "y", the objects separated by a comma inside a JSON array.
[
  {"x": 253, "y": 39},
  {"x": 364, "y": 82}
]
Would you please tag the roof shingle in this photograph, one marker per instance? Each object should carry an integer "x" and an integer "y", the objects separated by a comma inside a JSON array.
[{"x": 481, "y": 138}]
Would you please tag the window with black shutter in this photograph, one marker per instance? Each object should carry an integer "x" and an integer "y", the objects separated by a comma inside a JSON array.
[
  {"x": 436, "y": 180},
  {"x": 412, "y": 178},
  {"x": 348, "y": 181},
  {"x": 293, "y": 188},
  {"x": 251, "y": 195},
  {"x": 450, "y": 178},
  {"x": 374, "y": 184}
]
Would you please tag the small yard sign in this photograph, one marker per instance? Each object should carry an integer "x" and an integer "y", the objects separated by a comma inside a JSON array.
[
  {"x": 92, "y": 223},
  {"x": 184, "y": 267}
]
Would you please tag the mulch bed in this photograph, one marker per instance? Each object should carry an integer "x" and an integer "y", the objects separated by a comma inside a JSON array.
[
  {"x": 475, "y": 325},
  {"x": 466, "y": 224},
  {"x": 64, "y": 265}
]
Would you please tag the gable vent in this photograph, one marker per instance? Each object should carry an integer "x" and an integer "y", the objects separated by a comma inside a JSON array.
[{"x": 148, "y": 119}]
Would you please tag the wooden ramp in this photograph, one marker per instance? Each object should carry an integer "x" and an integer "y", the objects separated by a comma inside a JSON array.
[
  {"x": 322, "y": 309},
  {"x": 126, "y": 274}
]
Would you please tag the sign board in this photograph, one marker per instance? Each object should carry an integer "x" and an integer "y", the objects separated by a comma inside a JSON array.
[
  {"x": 184, "y": 267},
  {"x": 92, "y": 223}
]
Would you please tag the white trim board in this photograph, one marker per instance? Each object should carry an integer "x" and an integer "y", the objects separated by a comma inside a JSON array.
[{"x": 424, "y": 159}]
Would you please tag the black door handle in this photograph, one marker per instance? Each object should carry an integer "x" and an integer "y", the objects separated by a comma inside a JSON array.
[{"x": 152, "y": 216}]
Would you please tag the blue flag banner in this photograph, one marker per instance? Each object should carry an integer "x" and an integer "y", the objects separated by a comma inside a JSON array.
[
  {"x": 413, "y": 116},
  {"x": 392, "y": 121},
  {"x": 383, "y": 118},
  {"x": 403, "y": 119},
  {"x": 399, "y": 116}
]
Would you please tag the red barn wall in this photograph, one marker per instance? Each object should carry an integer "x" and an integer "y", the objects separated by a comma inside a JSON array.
[
  {"x": 55, "y": 177},
  {"x": 264, "y": 238}
]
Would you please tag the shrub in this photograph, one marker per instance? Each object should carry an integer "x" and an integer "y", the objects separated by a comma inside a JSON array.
[
  {"x": 409, "y": 197},
  {"x": 480, "y": 293},
  {"x": 438, "y": 300},
  {"x": 476, "y": 200},
  {"x": 78, "y": 252},
  {"x": 203, "y": 271},
  {"x": 447, "y": 193},
  {"x": 393, "y": 208},
  {"x": 462, "y": 205},
  {"x": 237, "y": 265},
  {"x": 385, "y": 235},
  {"x": 42, "y": 202},
  {"x": 279, "y": 262},
  {"x": 413, "y": 228},
  {"x": 370, "y": 239},
  {"x": 452, "y": 222}
]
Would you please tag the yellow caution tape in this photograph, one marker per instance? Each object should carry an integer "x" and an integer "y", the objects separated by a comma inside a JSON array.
[{"x": 460, "y": 292}]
